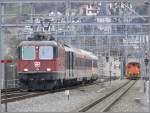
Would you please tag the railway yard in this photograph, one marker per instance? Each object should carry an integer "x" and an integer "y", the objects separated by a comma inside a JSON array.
[
  {"x": 74, "y": 56},
  {"x": 99, "y": 97}
]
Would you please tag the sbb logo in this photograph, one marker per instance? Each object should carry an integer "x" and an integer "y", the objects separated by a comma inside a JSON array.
[{"x": 37, "y": 65}]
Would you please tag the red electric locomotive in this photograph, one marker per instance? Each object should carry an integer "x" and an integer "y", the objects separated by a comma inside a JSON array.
[{"x": 46, "y": 64}]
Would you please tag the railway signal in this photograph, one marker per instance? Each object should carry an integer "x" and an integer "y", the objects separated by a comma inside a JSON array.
[
  {"x": 6, "y": 61},
  {"x": 146, "y": 61},
  {"x": 107, "y": 58}
]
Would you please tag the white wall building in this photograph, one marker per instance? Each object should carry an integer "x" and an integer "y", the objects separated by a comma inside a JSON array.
[{"x": 114, "y": 67}]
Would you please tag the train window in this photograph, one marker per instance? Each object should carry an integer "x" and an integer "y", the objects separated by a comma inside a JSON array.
[
  {"x": 28, "y": 52},
  {"x": 68, "y": 60},
  {"x": 70, "y": 55},
  {"x": 90, "y": 63},
  {"x": 129, "y": 67},
  {"x": 78, "y": 61},
  {"x": 133, "y": 64},
  {"x": 46, "y": 52},
  {"x": 56, "y": 52},
  {"x": 87, "y": 63},
  {"x": 94, "y": 63},
  {"x": 81, "y": 62}
]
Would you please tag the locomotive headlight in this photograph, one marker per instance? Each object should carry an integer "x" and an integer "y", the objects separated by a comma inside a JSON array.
[
  {"x": 48, "y": 69},
  {"x": 25, "y": 69}
]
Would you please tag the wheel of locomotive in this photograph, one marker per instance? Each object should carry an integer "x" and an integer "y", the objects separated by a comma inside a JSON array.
[
  {"x": 78, "y": 82},
  {"x": 51, "y": 85},
  {"x": 57, "y": 84},
  {"x": 91, "y": 80},
  {"x": 43, "y": 85},
  {"x": 83, "y": 82},
  {"x": 65, "y": 83},
  {"x": 23, "y": 87},
  {"x": 29, "y": 87},
  {"x": 30, "y": 90},
  {"x": 60, "y": 82}
]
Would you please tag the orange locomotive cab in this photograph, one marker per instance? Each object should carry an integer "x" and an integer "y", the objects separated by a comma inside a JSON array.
[{"x": 133, "y": 70}]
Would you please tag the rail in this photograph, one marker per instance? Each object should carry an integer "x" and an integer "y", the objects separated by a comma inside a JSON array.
[
  {"x": 18, "y": 94},
  {"x": 103, "y": 103}
]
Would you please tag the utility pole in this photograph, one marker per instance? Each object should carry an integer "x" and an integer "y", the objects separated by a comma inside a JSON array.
[
  {"x": 149, "y": 33},
  {"x": 148, "y": 46},
  {"x": 2, "y": 73},
  {"x": 31, "y": 12},
  {"x": 146, "y": 60},
  {"x": 110, "y": 63}
]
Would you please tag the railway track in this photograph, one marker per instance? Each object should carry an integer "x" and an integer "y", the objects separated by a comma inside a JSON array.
[
  {"x": 20, "y": 96},
  {"x": 10, "y": 90},
  {"x": 104, "y": 103},
  {"x": 15, "y": 95}
]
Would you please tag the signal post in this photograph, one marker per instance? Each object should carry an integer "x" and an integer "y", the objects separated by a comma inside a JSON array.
[
  {"x": 5, "y": 84},
  {"x": 1, "y": 50},
  {"x": 146, "y": 60}
]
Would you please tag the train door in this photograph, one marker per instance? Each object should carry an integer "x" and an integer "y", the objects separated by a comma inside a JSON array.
[
  {"x": 71, "y": 62},
  {"x": 67, "y": 65},
  {"x": 72, "y": 65}
]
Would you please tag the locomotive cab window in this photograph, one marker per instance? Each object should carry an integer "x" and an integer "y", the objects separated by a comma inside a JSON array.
[
  {"x": 28, "y": 52},
  {"x": 129, "y": 67},
  {"x": 46, "y": 52}
]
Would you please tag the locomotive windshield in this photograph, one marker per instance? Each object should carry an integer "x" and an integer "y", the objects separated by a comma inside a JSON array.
[
  {"x": 28, "y": 52},
  {"x": 46, "y": 52}
]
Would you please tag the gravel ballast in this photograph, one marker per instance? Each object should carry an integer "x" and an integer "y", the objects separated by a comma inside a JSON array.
[
  {"x": 58, "y": 102},
  {"x": 135, "y": 100}
]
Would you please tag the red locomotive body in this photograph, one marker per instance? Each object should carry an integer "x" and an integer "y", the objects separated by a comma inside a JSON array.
[
  {"x": 47, "y": 64},
  {"x": 41, "y": 57}
]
